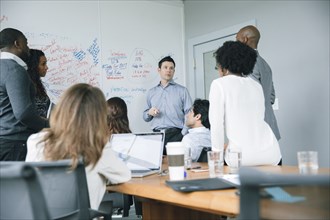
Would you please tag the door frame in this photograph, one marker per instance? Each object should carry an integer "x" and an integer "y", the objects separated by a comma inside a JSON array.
[
  {"x": 193, "y": 42},
  {"x": 205, "y": 71}
]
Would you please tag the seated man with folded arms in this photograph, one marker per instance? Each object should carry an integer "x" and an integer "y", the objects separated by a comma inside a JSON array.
[{"x": 199, "y": 135}]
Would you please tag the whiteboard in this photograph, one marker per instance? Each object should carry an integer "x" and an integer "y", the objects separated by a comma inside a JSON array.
[{"x": 114, "y": 45}]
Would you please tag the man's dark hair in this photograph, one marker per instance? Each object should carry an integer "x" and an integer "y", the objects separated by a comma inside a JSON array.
[
  {"x": 8, "y": 36},
  {"x": 202, "y": 107},
  {"x": 168, "y": 59}
]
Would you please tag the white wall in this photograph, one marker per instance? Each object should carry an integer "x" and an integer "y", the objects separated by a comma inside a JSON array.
[
  {"x": 115, "y": 45},
  {"x": 295, "y": 42}
]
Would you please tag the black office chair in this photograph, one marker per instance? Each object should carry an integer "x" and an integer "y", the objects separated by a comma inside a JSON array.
[
  {"x": 21, "y": 195},
  {"x": 66, "y": 191},
  {"x": 203, "y": 155},
  {"x": 253, "y": 182},
  {"x": 121, "y": 202}
]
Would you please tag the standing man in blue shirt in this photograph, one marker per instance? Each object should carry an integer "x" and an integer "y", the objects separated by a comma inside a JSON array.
[
  {"x": 167, "y": 104},
  {"x": 18, "y": 114},
  {"x": 262, "y": 73}
]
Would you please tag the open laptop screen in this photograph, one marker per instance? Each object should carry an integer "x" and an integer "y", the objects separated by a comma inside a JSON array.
[{"x": 140, "y": 151}]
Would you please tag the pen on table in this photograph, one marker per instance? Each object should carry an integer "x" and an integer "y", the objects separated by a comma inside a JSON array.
[{"x": 198, "y": 167}]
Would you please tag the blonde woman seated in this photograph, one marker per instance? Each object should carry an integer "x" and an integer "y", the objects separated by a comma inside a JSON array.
[{"x": 78, "y": 128}]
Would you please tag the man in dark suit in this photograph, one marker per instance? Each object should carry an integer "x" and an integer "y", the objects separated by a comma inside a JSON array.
[
  {"x": 18, "y": 116},
  {"x": 262, "y": 72}
]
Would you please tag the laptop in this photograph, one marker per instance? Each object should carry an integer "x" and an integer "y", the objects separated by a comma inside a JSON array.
[
  {"x": 142, "y": 152},
  {"x": 50, "y": 109}
]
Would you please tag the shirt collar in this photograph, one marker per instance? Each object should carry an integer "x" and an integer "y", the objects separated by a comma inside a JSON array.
[
  {"x": 199, "y": 129},
  {"x": 169, "y": 83},
  {"x": 11, "y": 56}
]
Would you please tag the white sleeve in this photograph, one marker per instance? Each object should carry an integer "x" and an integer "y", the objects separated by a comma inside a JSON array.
[
  {"x": 216, "y": 115},
  {"x": 35, "y": 148},
  {"x": 114, "y": 170}
]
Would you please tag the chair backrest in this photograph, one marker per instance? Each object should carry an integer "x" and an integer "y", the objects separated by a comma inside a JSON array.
[
  {"x": 21, "y": 195},
  {"x": 203, "y": 155},
  {"x": 252, "y": 181},
  {"x": 65, "y": 190}
]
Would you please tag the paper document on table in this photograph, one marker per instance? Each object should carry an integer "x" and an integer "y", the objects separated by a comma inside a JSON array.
[
  {"x": 280, "y": 195},
  {"x": 199, "y": 170},
  {"x": 232, "y": 178}
]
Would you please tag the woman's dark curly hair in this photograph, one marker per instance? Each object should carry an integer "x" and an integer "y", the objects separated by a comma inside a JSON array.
[
  {"x": 236, "y": 57},
  {"x": 117, "y": 116},
  {"x": 33, "y": 64}
]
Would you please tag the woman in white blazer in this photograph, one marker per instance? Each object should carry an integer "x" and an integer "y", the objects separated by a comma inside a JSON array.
[{"x": 237, "y": 108}]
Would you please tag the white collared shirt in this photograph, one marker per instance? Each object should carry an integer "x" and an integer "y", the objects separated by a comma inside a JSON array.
[
  {"x": 11, "y": 56},
  {"x": 196, "y": 139}
]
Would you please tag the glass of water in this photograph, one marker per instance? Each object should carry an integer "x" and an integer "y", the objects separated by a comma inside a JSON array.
[
  {"x": 308, "y": 162},
  {"x": 187, "y": 158},
  {"x": 215, "y": 163},
  {"x": 233, "y": 159}
]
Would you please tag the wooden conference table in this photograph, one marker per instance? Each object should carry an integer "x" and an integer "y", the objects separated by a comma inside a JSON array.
[{"x": 159, "y": 201}]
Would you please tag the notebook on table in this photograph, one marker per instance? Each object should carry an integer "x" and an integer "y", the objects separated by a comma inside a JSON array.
[
  {"x": 142, "y": 152},
  {"x": 200, "y": 184}
]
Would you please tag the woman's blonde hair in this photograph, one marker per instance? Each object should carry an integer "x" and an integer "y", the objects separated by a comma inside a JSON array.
[{"x": 78, "y": 126}]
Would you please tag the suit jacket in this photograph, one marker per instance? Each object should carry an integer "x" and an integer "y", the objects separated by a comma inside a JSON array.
[
  {"x": 18, "y": 115},
  {"x": 263, "y": 74}
]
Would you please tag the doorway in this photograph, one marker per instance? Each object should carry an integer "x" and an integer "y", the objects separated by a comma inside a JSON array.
[{"x": 201, "y": 61}]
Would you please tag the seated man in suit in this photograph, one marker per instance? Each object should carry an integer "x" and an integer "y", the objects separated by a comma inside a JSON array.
[{"x": 199, "y": 135}]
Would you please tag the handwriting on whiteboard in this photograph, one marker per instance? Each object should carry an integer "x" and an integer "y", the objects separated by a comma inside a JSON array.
[{"x": 72, "y": 62}]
